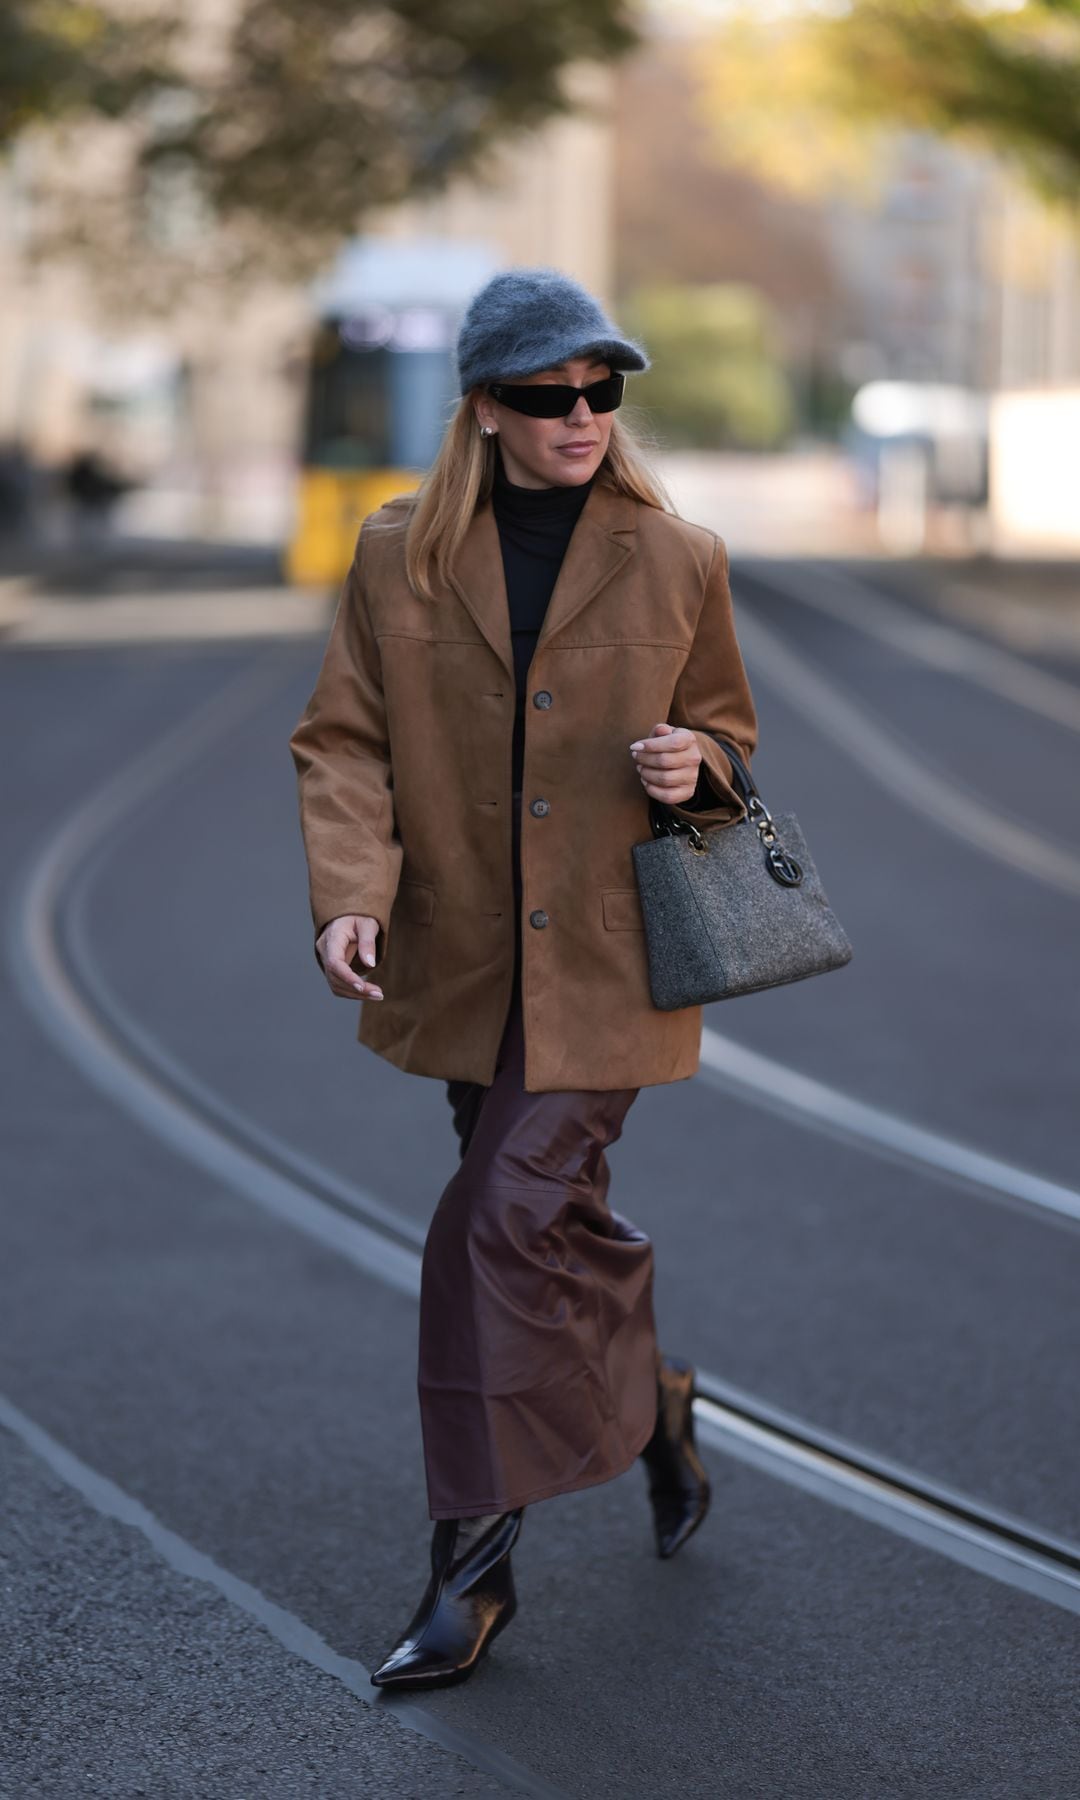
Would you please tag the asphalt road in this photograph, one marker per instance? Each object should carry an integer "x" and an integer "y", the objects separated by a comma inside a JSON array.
[{"x": 213, "y": 1200}]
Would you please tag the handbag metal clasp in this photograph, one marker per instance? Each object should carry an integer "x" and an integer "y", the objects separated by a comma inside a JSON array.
[{"x": 782, "y": 866}]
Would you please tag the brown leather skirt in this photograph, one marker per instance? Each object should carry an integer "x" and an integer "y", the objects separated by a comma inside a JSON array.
[{"x": 538, "y": 1355}]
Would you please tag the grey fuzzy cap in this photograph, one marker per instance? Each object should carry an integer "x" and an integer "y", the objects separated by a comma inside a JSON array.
[{"x": 523, "y": 320}]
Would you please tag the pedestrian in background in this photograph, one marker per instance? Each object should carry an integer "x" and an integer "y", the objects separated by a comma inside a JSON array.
[
  {"x": 93, "y": 489},
  {"x": 525, "y": 652}
]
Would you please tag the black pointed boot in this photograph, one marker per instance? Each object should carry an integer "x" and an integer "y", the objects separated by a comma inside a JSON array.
[
  {"x": 678, "y": 1484},
  {"x": 469, "y": 1599}
]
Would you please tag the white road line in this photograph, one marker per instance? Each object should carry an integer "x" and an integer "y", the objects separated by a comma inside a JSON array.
[
  {"x": 784, "y": 1089},
  {"x": 907, "y": 1515},
  {"x": 112, "y": 1502},
  {"x": 836, "y": 591},
  {"x": 106, "y": 1010},
  {"x": 51, "y": 997},
  {"x": 879, "y": 752}
]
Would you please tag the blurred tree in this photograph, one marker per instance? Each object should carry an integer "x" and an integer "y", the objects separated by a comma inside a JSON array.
[
  {"x": 69, "y": 56},
  {"x": 796, "y": 97},
  {"x": 681, "y": 212},
  {"x": 716, "y": 380},
  {"x": 322, "y": 109},
  {"x": 286, "y": 121}
]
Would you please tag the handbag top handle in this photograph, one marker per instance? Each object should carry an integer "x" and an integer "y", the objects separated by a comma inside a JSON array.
[
  {"x": 664, "y": 822},
  {"x": 742, "y": 778}
]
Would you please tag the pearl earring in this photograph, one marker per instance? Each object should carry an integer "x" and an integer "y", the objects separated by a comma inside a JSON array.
[{"x": 487, "y": 430}]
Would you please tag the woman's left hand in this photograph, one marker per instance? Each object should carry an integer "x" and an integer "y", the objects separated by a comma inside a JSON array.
[{"x": 668, "y": 762}]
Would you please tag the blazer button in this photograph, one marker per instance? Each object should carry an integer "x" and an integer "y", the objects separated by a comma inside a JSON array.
[
  {"x": 539, "y": 807},
  {"x": 542, "y": 698},
  {"x": 539, "y": 919}
]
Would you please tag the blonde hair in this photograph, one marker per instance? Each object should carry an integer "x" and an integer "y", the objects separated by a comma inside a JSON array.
[{"x": 462, "y": 476}]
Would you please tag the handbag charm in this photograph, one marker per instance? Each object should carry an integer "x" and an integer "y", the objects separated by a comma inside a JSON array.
[{"x": 732, "y": 909}]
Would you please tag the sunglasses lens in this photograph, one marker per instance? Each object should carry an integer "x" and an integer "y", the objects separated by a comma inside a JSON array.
[
  {"x": 545, "y": 400},
  {"x": 605, "y": 396}
]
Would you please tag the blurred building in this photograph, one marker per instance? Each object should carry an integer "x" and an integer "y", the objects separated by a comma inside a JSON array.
[
  {"x": 919, "y": 297},
  {"x": 963, "y": 279},
  {"x": 204, "y": 405},
  {"x": 1034, "y": 414},
  {"x": 954, "y": 290},
  {"x": 956, "y": 278}
]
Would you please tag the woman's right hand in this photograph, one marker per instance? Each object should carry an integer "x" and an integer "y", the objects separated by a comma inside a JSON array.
[{"x": 352, "y": 935}]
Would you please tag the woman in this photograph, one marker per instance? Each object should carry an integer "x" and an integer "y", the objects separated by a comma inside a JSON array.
[{"x": 525, "y": 652}]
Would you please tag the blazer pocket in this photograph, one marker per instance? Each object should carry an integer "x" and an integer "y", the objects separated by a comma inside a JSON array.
[
  {"x": 622, "y": 909},
  {"x": 415, "y": 902}
]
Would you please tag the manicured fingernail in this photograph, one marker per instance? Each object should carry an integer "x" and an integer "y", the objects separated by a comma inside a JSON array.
[
  {"x": 638, "y": 745},
  {"x": 369, "y": 957}
]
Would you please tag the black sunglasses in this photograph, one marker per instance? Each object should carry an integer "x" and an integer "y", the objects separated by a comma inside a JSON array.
[{"x": 547, "y": 400}]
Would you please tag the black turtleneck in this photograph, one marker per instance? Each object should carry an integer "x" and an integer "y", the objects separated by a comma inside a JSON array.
[{"x": 535, "y": 526}]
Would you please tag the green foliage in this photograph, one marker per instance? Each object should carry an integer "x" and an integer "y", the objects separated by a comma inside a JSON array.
[
  {"x": 328, "y": 108},
  {"x": 1001, "y": 77},
  {"x": 64, "y": 56},
  {"x": 302, "y": 115},
  {"x": 804, "y": 98},
  {"x": 716, "y": 380}
]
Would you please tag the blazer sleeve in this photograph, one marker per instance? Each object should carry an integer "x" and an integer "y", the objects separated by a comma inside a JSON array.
[
  {"x": 341, "y": 752},
  {"x": 713, "y": 699}
]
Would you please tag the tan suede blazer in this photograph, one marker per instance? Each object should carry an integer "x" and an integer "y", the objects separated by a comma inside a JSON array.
[{"x": 403, "y": 760}]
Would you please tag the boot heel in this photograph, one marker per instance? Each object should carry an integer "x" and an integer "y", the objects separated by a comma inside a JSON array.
[{"x": 679, "y": 1488}]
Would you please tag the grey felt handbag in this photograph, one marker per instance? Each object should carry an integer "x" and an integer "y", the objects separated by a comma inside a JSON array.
[{"x": 733, "y": 908}]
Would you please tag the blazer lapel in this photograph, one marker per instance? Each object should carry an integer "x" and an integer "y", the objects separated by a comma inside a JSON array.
[
  {"x": 479, "y": 581},
  {"x": 602, "y": 541}
]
